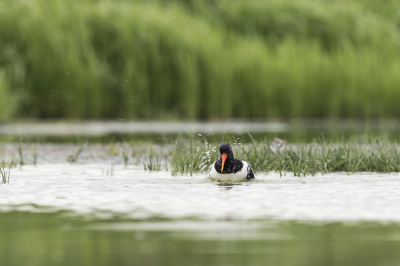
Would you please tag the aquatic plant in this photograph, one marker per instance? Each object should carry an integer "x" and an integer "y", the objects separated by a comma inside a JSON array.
[
  {"x": 152, "y": 162},
  {"x": 74, "y": 158},
  {"x": 5, "y": 174},
  {"x": 192, "y": 156},
  {"x": 125, "y": 156},
  {"x": 151, "y": 59},
  {"x": 195, "y": 154},
  {"x": 110, "y": 169},
  {"x": 21, "y": 155},
  {"x": 34, "y": 153},
  {"x": 361, "y": 154}
]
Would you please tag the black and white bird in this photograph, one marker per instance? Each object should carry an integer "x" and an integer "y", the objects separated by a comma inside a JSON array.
[
  {"x": 228, "y": 168},
  {"x": 278, "y": 145}
]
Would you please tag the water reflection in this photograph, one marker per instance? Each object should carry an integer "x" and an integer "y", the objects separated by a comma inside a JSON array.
[
  {"x": 139, "y": 194},
  {"x": 225, "y": 187},
  {"x": 50, "y": 239},
  {"x": 294, "y": 130}
]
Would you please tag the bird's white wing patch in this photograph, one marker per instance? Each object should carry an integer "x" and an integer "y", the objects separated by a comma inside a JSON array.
[{"x": 238, "y": 176}]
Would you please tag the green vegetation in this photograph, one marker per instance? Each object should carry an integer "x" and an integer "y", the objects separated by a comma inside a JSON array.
[
  {"x": 199, "y": 59},
  {"x": 195, "y": 154},
  {"x": 21, "y": 155},
  {"x": 109, "y": 171},
  {"x": 8, "y": 101},
  {"x": 34, "y": 153},
  {"x": 5, "y": 174},
  {"x": 73, "y": 158},
  {"x": 358, "y": 155}
]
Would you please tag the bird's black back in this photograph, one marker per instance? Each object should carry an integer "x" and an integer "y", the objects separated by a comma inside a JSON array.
[{"x": 232, "y": 166}]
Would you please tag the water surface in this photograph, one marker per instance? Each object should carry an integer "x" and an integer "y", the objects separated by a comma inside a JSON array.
[
  {"x": 87, "y": 214},
  {"x": 92, "y": 189},
  {"x": 293, "y": 130}
]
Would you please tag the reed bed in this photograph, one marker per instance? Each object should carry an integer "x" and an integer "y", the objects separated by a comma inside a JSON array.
[
  {"x": 5, "y": 174},
  {"x": 195, "y": 154},
  {"x": 198, "y": 59},
  {"x": 357, "y": 155}
]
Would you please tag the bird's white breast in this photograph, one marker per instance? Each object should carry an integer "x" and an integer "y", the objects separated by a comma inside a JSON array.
[{"x": 238, "y": 176}]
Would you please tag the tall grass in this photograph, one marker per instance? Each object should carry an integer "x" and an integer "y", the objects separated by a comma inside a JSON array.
[
  {"x": 361, "y": 154},
  {"x": 5, "y": 174},
  {"x": 186, "y": 59},
  {"x": 193, "y": 157},
  {"x": 332, "y": 24},
  {"x": 195, "y": 154},
  {"x": 8, "y": 100},
  {"x": 109, "y": 171},
  {"x": 73, "y": 158}
]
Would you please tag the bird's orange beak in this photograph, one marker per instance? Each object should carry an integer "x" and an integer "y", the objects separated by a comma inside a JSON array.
[{"x": 224, "y": 156}]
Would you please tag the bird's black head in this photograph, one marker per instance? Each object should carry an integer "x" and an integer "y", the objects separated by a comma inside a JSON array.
[
  {"x": 226, "y": 148},
  {"x": 226, "y": 151}
]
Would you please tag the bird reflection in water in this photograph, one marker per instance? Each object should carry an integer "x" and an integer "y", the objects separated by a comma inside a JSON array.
[{"x": 225, "y": 187}]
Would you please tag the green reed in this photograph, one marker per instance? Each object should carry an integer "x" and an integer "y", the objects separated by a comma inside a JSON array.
[
  {"x": 358, "y": 155},
  {"x": 152, "y": 161},
  {"x": 5, "y": 174},
  {"x": 73, "y": 158},
  {"x": 195, "y": 154},
  {"x": 34, "y": 153},
  {"x": 192, "y": 156},
  {"x": 21, "y": 155},
  {"x": 198, "y": 59},
  {"x": 109, "y": 171}
]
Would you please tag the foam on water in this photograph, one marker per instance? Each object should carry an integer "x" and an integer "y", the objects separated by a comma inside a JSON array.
[{"x": 139, "y": 194}]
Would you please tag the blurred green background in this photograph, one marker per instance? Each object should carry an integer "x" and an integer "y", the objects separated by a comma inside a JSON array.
[
  {"x": 204, "y": 60},
  {"x": 39, "y": 239}
]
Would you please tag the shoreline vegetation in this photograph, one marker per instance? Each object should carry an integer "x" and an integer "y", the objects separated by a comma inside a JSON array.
[
  {"x": 199, "y": 59},
  {"x": 186, "y": 156}
]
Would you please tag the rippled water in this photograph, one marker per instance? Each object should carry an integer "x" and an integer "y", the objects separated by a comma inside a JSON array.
[
  {"x": 99, "y": 212},
  {"x": 86, "y": 214},
  {"x": 87, "y": 189}
]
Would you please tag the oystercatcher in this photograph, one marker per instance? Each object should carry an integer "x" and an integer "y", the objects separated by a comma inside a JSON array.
[
  {"x": 278, "y": 145},
  {"x": 227, "y": 168}
]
